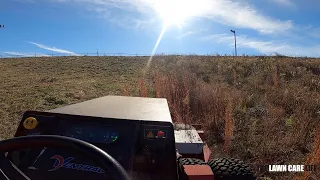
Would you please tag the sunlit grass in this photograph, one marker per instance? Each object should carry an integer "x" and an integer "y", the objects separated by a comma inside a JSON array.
[{"x": 244, "y": 103}]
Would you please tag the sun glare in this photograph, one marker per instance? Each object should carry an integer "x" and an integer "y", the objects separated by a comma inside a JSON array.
[{"x": 173, "y": 12}]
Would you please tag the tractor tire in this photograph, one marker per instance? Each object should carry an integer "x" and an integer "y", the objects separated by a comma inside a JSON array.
[
  {"x": 191, "y": 161},
  {"x": 187, "y": 161},
  {"x": 230, "y": 169}
]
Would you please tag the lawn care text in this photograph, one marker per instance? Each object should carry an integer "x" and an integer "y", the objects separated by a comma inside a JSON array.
[{"x": 291, "y": 168}]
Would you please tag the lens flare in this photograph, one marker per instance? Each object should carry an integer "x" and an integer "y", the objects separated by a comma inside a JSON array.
[
  {"x": 172, "y": 12},
  {"x": 155, "y": 48}
]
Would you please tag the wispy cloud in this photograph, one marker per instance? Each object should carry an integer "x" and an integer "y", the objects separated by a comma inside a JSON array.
[
  {"x": 289, "y": 3},
  {"x": 312, "y": 31},
  {"x": 191, "y": 32},
  {"x": 265, "y": 46},
  {"x": 228, "y": 12},
  {"x": 14, "y": 53},
  {"x": 53, "y": 49},
  {"x": 139, "y": 14},
  {"x": 25, "y": 54},
  {"x": 188, "y": 33},
  {"x": 25, "y": 1},
  {"x": 218, "y": 38},
  {"x": 41, "y": 55}
]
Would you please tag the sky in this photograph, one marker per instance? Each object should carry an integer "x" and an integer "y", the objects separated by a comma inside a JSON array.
[{"x": 145, "y": 27}]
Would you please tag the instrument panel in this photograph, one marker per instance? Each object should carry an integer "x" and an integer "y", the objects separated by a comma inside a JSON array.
[
  {"x": 94, "y": 134},
  {"x": 139, "y": 146}
]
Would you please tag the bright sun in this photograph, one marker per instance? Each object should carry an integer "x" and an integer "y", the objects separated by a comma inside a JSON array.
[{"x": 173, "y": 12}]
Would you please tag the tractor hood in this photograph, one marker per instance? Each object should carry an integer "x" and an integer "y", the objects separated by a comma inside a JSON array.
[{"x": 121, "y": 107}]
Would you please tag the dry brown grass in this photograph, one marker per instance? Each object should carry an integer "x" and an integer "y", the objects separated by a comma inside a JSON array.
[
  {"x": 263, "y": 110},
  {"x": 313, "y": 159},
  {"x": 229, "y": 127},
  {"x": 47, "y": 83}
]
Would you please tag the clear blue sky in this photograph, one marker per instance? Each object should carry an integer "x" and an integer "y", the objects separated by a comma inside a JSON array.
[{"x": 289, "y": 27}]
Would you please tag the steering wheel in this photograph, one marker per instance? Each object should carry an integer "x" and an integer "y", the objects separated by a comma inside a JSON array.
[{"x": 108, "y": 163}]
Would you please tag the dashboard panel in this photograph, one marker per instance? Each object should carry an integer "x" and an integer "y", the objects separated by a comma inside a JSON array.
[
  {"x": 139, "y": 146},
  {"x": 94, "y": 134}
]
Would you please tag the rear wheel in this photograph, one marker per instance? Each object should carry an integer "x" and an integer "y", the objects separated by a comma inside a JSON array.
[{"x": 229, "y": 169}]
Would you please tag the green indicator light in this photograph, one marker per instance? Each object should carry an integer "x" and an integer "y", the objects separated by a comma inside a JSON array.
[{"x": 115, "y": 138}]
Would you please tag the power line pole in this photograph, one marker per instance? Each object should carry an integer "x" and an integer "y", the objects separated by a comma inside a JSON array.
[
  {"x": 1, "y": 26},
  {"x": 235, "y": 41}
]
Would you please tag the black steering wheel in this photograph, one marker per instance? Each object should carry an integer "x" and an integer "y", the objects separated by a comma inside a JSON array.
[{"x": 108, "y": 163}]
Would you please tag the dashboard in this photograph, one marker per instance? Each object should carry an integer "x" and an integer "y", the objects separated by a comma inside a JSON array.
[
  {"x": 94, "y": 134},
  {"x": 141, "y": 147}
]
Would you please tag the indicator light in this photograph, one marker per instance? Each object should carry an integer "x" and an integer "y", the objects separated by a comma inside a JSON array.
[
  {"x": 150, "y": 135},
  {"x": 160, "y": 134},
  {"x": 115, "y": 138}
]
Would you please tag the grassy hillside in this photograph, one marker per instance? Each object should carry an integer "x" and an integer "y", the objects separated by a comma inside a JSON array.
[{"x": 264, "y": 110}]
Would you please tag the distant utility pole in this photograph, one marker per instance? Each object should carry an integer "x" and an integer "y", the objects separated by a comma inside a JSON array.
[
  {"x": 1, "y": 26},
  {"x": 235, "y": 41}
]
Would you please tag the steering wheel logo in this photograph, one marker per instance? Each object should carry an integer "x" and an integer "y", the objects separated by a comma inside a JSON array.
[
  {"x": 60, "y": 161},
  {"x": 66, "y": 163}
]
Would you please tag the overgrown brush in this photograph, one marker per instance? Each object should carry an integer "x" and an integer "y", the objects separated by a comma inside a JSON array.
[
  {"x": 313, "y": 159},
  {"x": 262, "y": 111}
]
